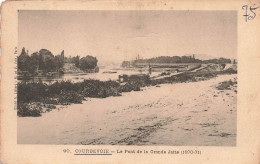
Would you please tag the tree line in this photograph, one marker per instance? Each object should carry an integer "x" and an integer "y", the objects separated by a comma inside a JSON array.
[
  {"x": 175, "y": 59},
  {"x": 46, "y": 62},
  {"x": 84, "y": 63}
]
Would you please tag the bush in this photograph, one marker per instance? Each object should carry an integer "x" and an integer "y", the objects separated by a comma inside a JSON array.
[
  {"x": 100, "y": 89},
  {"x": 58, "y": 87},
  {"x": 90, "y": 91},
  {"x": 25, "y": 110},
  {"x": 129, "y": 87},
  {"x": 225, "y": 85},
  {"x": 67, "y": 97},
  {"x": 229, "y": 71},
  {"x": 27, "y": 92},
  {"x": 185, "y": 77},
  {"x": 164, "y": 73}
]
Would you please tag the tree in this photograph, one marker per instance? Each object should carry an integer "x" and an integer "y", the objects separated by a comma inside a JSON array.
[
  {"x": 46, "y": 61},
  {"x": 34, "y": 62},
  {"x": 75, "y": 60},
  {"x": 88, "y": 62},
  {"x": 49, "y": 64},
  {"x": 185, "y": 59},
  {"x": 43, "y": 60},
  {"x": 223, "y": 60},
  {"x": 23, "y": 61},
  {"x": 58, "y": 62},
  {"x": 126, "y": 64}
]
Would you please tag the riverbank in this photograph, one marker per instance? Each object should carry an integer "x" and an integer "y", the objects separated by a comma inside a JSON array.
[
  {"x": 35, "y": 98},
  {"x": 199, "y": 113}
]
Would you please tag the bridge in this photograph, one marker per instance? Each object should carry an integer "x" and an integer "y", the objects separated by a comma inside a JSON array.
[{"x": 179, "y": 66}]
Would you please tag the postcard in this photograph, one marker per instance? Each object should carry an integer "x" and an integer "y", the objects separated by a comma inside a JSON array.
[{"x": 130, "y": 82}]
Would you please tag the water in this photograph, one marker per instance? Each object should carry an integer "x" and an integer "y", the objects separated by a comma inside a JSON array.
[{"x": 78, "y": 77}]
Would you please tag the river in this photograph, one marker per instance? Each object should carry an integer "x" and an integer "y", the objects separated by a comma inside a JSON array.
[{"x": 104, "y": 74}]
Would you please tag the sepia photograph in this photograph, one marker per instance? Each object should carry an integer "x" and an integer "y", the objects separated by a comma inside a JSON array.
[{"x": 131, "y": 77}]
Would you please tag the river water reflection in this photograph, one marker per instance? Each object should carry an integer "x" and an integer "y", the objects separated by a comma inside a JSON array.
[{"x": 103, "y": 75}]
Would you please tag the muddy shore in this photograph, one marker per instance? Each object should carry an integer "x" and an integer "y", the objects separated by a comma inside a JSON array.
[{"x": 195, "y": 113}]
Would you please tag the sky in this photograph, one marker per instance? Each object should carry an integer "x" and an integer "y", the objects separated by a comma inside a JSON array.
[{"x": 113, "y": 36}]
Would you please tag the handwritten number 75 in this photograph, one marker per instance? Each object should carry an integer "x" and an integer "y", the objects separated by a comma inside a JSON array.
[{"x": 249, "y": 15}]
